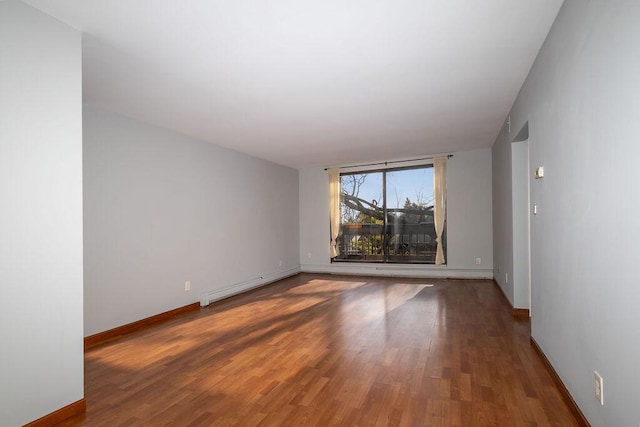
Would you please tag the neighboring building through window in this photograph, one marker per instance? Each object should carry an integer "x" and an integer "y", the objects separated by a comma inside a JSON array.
[{"x": 388, "y": 216}]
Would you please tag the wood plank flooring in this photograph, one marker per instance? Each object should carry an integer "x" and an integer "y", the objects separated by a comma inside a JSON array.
[{"x": 320, "y": 350}]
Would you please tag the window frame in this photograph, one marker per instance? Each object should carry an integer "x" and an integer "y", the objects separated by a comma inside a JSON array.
[{"x": 385, "y": 225}]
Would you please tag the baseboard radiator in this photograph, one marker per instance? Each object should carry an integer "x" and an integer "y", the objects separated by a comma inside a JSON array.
[{"x": 207, "y": 297}]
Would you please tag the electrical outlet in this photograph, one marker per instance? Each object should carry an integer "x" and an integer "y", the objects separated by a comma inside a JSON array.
[
  {"x": 478, "y": 261},
  {"x": 309, "y": 255},
  {"x": 599, "y": 383},
  {"x": 187, "y": 286}
]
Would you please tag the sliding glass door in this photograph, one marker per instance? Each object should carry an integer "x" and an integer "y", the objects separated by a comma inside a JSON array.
[
  {"x": 387, "y": 216},
  {"x": 362, "y": 217}
]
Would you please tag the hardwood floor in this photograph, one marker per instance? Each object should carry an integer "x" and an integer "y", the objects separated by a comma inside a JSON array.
[{"x": 330, "y": 350}]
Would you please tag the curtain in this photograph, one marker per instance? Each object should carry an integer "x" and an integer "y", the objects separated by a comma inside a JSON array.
[
  {"x": 440, "y": 204},
  {"x": 334, "y": 210}
]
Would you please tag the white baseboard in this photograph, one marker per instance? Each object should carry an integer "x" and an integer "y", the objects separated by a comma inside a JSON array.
[
  {"x": 398, "y": 270},
  {"x": 207, "y": 297},
  {"x": 393, "y": 270}
]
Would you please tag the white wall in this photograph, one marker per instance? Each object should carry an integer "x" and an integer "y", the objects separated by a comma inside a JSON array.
[
  {"x": 161, "y": 209},
  {"x": 503, "y": 214},
  {"x": 41, "y": 356},
  {"x": 468, "y": 223},
  {"x": 520, "y": 210},
  {"x": 582, "y": 103},
  {"x": 510, "y": 216}
]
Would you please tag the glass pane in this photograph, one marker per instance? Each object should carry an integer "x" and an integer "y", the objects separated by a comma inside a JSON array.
[
  {"x": 362, "y": 217},
  {"x": 412, "y": 234}
]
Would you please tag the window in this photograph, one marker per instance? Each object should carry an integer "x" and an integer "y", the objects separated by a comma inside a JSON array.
[{"x": 388, "y": 216}]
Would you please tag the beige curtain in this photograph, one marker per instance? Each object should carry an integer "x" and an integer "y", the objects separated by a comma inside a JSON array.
[
  {"x": 440, "y": 204},
  {"x": 334, "y": 210}
]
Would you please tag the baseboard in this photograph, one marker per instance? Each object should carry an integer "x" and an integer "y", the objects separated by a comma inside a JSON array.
[
  {"x": 516, "y": 312},
  {"x": 207, "y": 297},
  {"x": 120, "y": 331},
  {"x": 521, "y": 312},
  {"x": 398, "y": 270},
  {"x": 566, "y": 396},
  {"x": 56, "y": 417}
]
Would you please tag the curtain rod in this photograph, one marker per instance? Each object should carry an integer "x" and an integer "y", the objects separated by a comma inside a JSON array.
[{"x": 448, "y": 156}]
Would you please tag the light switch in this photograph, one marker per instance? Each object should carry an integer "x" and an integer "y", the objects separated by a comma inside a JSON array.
[
  {"x": 535, "y": 209},
  {"x": 539, "y": 172}
]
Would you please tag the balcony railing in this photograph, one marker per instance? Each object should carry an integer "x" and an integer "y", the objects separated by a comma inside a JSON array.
[{"x": 405, "y": 243}]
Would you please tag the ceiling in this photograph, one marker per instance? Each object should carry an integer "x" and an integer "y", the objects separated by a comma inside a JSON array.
[{"x": 312, "y": 83}]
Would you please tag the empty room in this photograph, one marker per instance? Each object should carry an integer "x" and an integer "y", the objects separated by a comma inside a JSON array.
[{"x": 319, "y": 213}]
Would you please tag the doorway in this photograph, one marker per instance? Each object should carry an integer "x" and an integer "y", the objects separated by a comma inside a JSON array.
[{"x": 520, "y": 188}]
